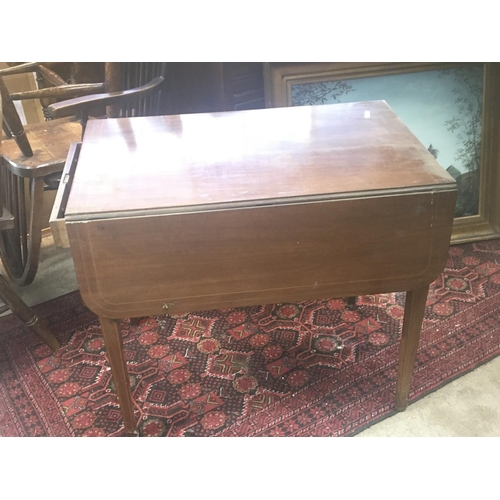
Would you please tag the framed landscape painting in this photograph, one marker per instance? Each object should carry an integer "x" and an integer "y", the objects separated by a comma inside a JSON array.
[{"x": 453, "y": 109}]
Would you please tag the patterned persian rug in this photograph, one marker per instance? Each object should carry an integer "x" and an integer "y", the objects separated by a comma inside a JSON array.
[{"x": 312, "y": 368}]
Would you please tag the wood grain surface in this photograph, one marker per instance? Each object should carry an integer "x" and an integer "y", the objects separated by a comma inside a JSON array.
[{"x": 143, "y": 165}]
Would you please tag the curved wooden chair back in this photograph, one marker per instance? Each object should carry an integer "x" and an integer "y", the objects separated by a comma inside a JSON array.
[{"x": 129, "y": 75}]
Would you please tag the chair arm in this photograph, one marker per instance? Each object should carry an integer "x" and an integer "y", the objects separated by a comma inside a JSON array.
[
  {"x": 73, "y": 106},
  {"x": 20, "y": 68},
  {"x": 49, "y": 75},
  {"x": 65, "y": 91}
]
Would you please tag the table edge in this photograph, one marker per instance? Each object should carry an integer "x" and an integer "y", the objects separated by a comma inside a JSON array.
[{"x": 350, "y": 195}]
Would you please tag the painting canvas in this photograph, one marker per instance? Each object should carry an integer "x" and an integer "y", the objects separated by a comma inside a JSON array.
[{"x": 443, "y": 108}]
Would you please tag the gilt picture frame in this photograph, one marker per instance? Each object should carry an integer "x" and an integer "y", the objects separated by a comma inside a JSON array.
[{"x": 472, "y": 123}]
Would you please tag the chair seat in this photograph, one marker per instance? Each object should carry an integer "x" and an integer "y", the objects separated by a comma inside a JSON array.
[{"x": 50, "y": 143}]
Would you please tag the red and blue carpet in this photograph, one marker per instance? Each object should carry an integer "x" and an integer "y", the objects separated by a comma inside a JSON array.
[{"x": 312, "y": 368}]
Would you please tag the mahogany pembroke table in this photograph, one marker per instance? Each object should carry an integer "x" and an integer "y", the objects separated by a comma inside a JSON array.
[{"x": 219, "y": 210}]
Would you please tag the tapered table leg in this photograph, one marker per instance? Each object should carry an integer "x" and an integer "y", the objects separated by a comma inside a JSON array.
[
  {"x": 351, "y": 302},
  {"x": 412, "y": 324},
  {"x": 114, "y": 346}
]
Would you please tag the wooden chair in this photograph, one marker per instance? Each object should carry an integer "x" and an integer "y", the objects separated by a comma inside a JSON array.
[
  {"x": 9, "y": 297},
  {"x": 33, "y": 156}
]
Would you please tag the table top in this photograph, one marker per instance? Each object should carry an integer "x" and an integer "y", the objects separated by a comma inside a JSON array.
[{"x": 193, "y": 162}]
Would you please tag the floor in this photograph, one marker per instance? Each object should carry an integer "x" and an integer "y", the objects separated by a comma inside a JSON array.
[{"x": 468, "y": 406}]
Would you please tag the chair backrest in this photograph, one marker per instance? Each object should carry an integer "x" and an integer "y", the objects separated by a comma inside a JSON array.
[
  {"x": 52, "y": 87},
  {"x": 128, "y": 75}
]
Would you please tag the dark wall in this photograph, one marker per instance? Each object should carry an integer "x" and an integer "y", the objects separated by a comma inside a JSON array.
[{"x": 208, "y": 87}]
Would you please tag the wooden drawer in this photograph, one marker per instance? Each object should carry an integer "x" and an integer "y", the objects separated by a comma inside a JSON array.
[{"x": 57, "y": 221}]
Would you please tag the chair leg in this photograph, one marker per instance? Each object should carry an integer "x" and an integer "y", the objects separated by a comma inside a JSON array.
[
  {"x": 20, "y": 246},
  {"x": 19, "y": 308}
]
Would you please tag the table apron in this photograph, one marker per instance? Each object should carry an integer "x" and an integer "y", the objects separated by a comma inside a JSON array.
[{"x": 134, "y": 266}]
